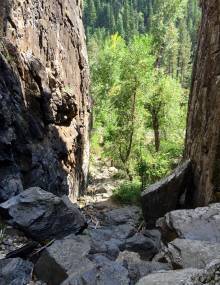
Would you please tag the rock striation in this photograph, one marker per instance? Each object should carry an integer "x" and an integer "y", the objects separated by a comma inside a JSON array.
[
  {"x": 44, "y": 103},
  {"x": 203, "y": 132}
]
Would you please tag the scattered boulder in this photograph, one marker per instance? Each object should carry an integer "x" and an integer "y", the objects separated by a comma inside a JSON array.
[
  {"x": 209, "y": 276},
  {"x": 179, "y": 277},
  {"x": 15, "y": 271},
  {"x": 65, "y": 257},
  {"x": 147, "y": 245},
  {"x": 164, "y": 196},
  {"x": 125, "y": 215},
  {"x": 197, "y": 224},
  {"x": 42, "y": 215},
  {"x": 185, "y": 253},
  {"x": 105, "y": 272},
  {"x": 109, "y": 239},
  {"x": 138, "y": 268}
]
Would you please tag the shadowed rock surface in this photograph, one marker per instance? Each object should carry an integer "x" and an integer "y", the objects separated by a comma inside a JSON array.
[
  {"x": 164, "y": 196},
  {"x": 15, "y": 271},
  {"x": 129, "y": 214},
  {"x": 42, "y": 215},
  {"x": 147, "y": 244},
  {"x": 63, "y": 258},
  {"x": 105, "y": 272},
  {"x": 44, "y": 102},
  {"x": 139, "y": 268}
]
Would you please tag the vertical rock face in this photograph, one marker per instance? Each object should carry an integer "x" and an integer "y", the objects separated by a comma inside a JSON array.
[
  {"x": 44, "y": 102},
  {"x": 203, "y": 130}
]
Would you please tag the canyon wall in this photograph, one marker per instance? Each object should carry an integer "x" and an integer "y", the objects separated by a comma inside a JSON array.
[
  {"x": 44, "y": 103},
  {"x": 203, "y": 126}
]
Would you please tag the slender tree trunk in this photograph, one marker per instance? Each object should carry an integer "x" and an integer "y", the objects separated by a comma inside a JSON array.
[
  {"x": 155, "y": 122},
  {"x": 125, "y": 158}
]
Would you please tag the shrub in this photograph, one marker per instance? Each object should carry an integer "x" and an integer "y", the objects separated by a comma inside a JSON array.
[{"x": 128, "y": 193}]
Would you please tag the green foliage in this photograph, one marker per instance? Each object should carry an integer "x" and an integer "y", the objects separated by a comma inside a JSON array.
[
  {"x": 140, "y": 55},
  {"x": 159, "y": 164},
  {"x": 172, "y": 23},
  {"x": 132, "y": 99},
  {"x": 128, "y": 193}
]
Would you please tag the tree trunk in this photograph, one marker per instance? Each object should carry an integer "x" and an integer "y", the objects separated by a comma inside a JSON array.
[
  {"x": 203, "y": 125},
  {"x": 155, "y": 123}
]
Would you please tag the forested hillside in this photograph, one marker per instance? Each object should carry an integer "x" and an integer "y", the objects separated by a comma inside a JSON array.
[
  {"x": 141, "y": 54},
  {"x": 129, "y": 17},
  {"x": 175, "y": 23}
]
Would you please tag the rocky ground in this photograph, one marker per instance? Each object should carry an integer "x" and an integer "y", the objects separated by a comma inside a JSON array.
[{"x": 114, "y": 248}]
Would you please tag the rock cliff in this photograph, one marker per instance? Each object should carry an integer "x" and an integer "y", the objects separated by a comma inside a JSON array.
[
  {"x": 44, "y": 102},
  {"x": 203, "y": 132}
]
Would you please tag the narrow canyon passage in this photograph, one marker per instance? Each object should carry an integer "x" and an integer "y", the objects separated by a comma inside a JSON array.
[{"x": 128, "y": 226}]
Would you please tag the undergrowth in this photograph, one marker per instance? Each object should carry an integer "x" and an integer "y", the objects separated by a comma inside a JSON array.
[{"x": 128, "y": 193}]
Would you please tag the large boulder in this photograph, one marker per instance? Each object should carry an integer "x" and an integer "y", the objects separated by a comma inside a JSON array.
[
  {"x": 105, "y": 272},
  {"x": 15, "y": 271},
  {"x": 63, "y": 258},
  {"x": 125, "y": 215},
  {"x": 179, "y": 277},
  {"x": 185, "y": 253},
  {"x": 139, "y": 268},
  {"x": 208, "y": 276},
  {"x": 67, "y": 261},
  {"x": 42, "y": 215},
  {"x": 197, "y": 224},
  {"x": 165, "y": 195},
  {"x": 147, "y": 244},
  {"x": 109, "y": 239}
]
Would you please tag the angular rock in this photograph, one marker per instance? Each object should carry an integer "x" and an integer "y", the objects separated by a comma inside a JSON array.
[
  {"x": 15, "y": 271},
  {"x": 184, "y": 253},
  {"x": 63, "y": 258},
  {"x": 125, "y": 215},
  {"x": 209, "y": 276},
  {"x": 165, "y": 195},
  {"x": 178, "y": 277},
  {"x": 197, "y": 224},
  {"x": 42, "y": 215},
  {"x": 147, "y": 245},
  {"x": 105, "y": 272},
  {"x": 109, "y": 239},
  {"x": 138, "y": 268}
]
